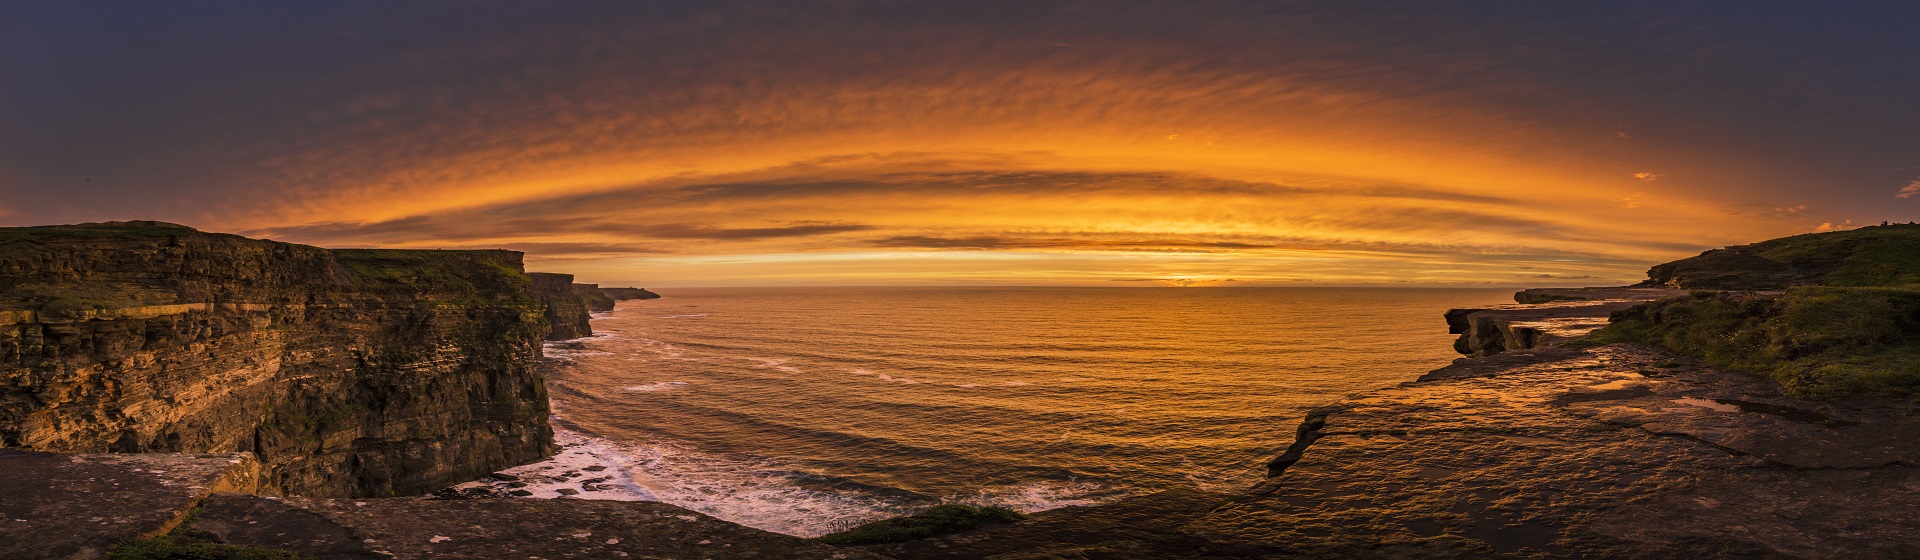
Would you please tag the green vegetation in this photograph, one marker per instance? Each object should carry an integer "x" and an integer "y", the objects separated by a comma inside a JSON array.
[
  {"x": 597, "y": 300},
  {"x": 1845, "y": 317},
  {"x": 121, "y": 230},
  {"x": 1815, "y": 341},
  {"x": 462, "y": 277},
  {"x": 68, "y": 300},
  {"x": 935, "y": 521},
  {"x": 1887, "y": 255},
  {"x": 167, "y": 547}
]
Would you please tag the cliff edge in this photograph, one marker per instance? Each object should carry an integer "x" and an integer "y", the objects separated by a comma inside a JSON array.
[
  {"x": 357, "y": 372},
  {"x": 1624, "y": 422}
]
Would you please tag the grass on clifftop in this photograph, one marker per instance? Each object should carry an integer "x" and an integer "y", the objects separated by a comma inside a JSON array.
[
  {"x": 1872, "y": 256},
  {"x": 935, "y": 521},
  {"x": 471, "y": 277},
  {"x": 120, "y": 230},
  {"x": 1815, "y": 341}
]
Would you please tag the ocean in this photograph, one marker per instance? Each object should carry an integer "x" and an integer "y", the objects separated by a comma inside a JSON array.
[{"x": 806, "y": 410}]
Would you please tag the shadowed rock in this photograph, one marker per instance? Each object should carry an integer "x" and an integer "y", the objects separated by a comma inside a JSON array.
[
  {"x": 494, "y": 528},
  {"x": 77, "y": 506},
  {"x": 346, "y": 372}
]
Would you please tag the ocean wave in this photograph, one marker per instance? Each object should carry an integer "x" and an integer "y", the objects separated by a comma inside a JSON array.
[
  {"x": 585, "y": 467},
  {"x": 651, "y": 387},
  {"x": 679, "y": 316},
  {"x": 775, "y": 363},
  {"x": 755, "y": 493},
  {"x": 1045, "y": 495}
]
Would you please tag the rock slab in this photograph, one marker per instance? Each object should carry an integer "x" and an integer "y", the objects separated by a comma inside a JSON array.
[{"x": 76, "y": 506}]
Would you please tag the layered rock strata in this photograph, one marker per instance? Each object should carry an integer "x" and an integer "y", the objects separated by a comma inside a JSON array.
[
  {"x": 346, "y": 372},
  {"x": 1543, "y": 317},
  {"x": 595, "y": 299},
  {"x": 566, "y": 311}
]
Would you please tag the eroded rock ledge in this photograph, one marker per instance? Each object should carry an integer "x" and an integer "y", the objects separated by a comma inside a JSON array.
[
  {"x": 353, "y": 372},
  {"x": 1619, "y": 451},
  {"x": 1543, "y": 317}
]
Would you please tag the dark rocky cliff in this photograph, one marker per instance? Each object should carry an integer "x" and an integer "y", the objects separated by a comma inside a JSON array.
[
  {"x": 566, "y": 310},
  {"x": 347, "y": 372},
  {"x": 595, "y": 299},
  {"x": 624, "y": 294}
]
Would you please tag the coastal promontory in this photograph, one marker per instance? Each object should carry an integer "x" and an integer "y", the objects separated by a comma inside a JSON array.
[{"x": 354, "y": 372}]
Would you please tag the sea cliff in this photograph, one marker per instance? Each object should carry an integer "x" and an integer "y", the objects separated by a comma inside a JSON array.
[
  {"x": 1583, "y": 423},
  {"x": 345, "y": 372}
]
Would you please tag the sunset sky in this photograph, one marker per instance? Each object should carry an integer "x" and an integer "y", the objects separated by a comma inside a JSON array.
[{"x": 1104, "y": 143}]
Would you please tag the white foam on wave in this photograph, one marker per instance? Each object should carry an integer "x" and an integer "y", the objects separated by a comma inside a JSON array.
[
  {"x": 680, "y": 316},
  {"x": 651, "y": 387},
  {"x": 776, "y": 364},
  {"x": 563, "y": 353},
  {"x": 1045, "y": 495},
  {"x": 754, "y": 493},
  {"x": 584, "y": 468}
]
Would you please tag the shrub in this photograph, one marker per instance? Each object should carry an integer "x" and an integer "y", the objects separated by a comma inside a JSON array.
[{"x": 1815, "y": 341}]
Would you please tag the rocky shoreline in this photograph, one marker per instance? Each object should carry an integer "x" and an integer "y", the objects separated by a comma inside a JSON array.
[
  {"x": 1554, "y": 451},
  {"x": 1546, "y": 451},
  {"x": 1542, "y": 443}
]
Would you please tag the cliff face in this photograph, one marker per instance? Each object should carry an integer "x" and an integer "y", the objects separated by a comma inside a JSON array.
[
  {"x": 624, "y": 294},
  {"x": 348, "y": 373},
  {"x": 593, "y": 297},
  {"x": 1543, "y": 317},
  {"x": 566, "y": 310}
]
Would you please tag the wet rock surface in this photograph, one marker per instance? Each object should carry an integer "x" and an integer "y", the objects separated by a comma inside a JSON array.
[
  {"x": 1599, "y": 453},
  {"x": 1618, "y": 451},
  {"x": 1144, "y": 527},
  {"x": 498, "y": 528},
  {"x": 76, "y": 506}
]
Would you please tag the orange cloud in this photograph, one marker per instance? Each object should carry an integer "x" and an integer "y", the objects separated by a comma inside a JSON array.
[{"x": 1015, "y": 144}]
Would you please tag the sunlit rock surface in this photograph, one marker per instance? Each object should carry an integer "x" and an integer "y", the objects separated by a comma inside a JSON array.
[
  {"x": 1543, "y": 317},
  {"x": 347, "y": 372}
]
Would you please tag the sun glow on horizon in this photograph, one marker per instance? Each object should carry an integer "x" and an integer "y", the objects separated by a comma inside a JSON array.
[{"x": 790, "y": 147}]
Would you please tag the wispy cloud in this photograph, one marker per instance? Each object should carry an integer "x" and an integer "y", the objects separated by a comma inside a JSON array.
[{"x": 1018, "y": 138}]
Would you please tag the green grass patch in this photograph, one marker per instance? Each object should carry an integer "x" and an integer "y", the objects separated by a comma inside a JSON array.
[
  {"x": 935, "y": 521},
  {"x": 128, "y": 230},
  {"x": 457, "y": 277},
  {"x": 1877, "y": 256},
  {"x": 1815, "y": 341},
  {"x": 169, "y": 548}
]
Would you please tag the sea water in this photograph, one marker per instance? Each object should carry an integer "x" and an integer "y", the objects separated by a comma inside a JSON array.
[{"x": 805, "y": 410}]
